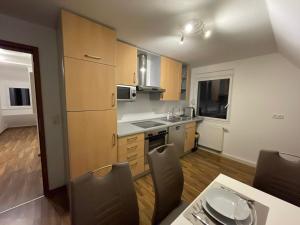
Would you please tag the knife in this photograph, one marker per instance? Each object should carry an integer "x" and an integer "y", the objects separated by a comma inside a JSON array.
[{"x": 200, "y": 219}]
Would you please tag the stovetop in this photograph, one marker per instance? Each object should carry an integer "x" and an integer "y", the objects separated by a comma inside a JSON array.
[{"x": 147, "y": 124}]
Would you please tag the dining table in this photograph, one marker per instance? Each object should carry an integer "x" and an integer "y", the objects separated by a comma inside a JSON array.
[{"x": 280, "y": 212}]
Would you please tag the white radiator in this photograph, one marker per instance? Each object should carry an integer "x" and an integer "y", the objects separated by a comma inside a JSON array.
[{"x": 211, "y": 136}]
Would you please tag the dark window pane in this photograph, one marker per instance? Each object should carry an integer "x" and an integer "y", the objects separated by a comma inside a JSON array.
[
  {"x": 213, "y": 98},
  {"x": 19, "y": 96}
]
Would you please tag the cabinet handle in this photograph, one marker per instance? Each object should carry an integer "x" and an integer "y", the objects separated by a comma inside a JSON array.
[
  {"x": 113, "y": 100},
  {"x": 114, "y": 139},
  {"x": 129, "y": 157},
  {"x": 131, "y": 139},
  {"x": 132, "y": 148},
  {"x": 134, "y": 78},
  {"x": 92, "y": 56}
]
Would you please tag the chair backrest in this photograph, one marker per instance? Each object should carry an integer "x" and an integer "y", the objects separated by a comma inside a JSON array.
[
  {"x": 168, "y": 181},
  {"x": 104, "y": 200},
  {"x": 278, "y": 176}
]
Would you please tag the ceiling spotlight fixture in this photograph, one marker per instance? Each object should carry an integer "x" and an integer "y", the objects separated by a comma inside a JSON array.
[
  {"x": 195, "y": 27},
  {"x": 188, "y": 28},
  {"x": 207, "y": 34},
  {"x": 181, "y": 39}
]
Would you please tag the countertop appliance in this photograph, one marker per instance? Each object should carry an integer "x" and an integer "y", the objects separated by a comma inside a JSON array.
[
  {"x": 189, "y": 112},
  {"x": 126, "y": 93},
  {"x": 147, "y": 124},
  {"x": 154, "y": 139},
  {"x": 177, "y": 137}
]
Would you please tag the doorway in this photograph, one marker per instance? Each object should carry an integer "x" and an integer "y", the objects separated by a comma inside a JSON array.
[{"x": 23, "y": 163}]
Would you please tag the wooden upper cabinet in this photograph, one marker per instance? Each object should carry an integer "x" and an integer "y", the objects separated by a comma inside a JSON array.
[
  {"x": 92, "y": 140},
  {"x": 170, "y": 79},
  {"x": 89, "y": 85},
  {"x": 126, "y": 64},
  {"x": 84, "y": 39}
]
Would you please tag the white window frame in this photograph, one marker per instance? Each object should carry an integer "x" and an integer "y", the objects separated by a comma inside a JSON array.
[{"x": 215, "y": 75}]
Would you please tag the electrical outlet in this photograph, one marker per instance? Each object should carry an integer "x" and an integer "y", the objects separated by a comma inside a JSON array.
[{"x": 278, "y": 116}]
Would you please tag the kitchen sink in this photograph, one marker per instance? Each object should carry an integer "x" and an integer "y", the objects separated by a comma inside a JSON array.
[{"x": 175, "y": 119}]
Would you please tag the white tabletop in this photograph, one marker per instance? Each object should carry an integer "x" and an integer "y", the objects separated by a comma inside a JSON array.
[{"x": 280, "y": 212}]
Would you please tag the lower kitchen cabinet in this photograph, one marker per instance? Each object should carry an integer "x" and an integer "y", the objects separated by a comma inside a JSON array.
[
  {"x": 92, "y": 140},
  {"x": 131, "y": 150},
  {"x": 190, "y": 130}
]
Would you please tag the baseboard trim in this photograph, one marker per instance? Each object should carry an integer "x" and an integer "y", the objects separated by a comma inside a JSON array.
[
  {"x": 228, "y": 156},
  {"x": 56, "y": 190}
]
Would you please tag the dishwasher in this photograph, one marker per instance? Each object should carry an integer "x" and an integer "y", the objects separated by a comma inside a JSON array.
[{"x": 177, "y": 137}]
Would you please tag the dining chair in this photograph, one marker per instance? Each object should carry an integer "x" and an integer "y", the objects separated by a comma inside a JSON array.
[
  {"x": 278, "y": 176},
  {"x": 110, "y": 199},
  {"x": 168, "y": 183}
]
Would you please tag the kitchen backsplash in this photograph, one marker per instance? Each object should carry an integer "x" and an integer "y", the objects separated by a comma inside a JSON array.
[{"x": 147, "y": 106}]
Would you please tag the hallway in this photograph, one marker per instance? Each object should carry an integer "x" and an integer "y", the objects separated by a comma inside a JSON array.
[{"x": 20, "y": 167}]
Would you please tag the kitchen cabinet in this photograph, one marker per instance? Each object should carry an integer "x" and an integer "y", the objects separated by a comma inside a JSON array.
[
  {"x": 170, "y": 79},
  {"x": 87, "y": 40},
  {"x": 89, "y": 86},
  {"x": 185, "y": 82},
  {"x": 190, "y": 130},
  {"x": 92, "y": 140},
  {"x": 126, "y": 64},
  {"x": 131, "y": 150},
  {"x": 89, "y": 90}
]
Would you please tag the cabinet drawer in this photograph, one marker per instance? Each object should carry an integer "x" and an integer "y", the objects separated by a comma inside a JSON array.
[
  {"x": 137, "y": 166},
  {"x": 131, "y": 151},
  {"x": 190, "y": 125},
  {"x": 131, "y": 139}
]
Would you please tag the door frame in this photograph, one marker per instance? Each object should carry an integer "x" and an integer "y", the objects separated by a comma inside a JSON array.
[{"x": 34, "y": 51}]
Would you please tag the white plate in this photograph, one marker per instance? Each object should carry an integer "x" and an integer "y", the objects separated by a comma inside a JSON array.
[
  {"x": 225, "y": 203},
  {"x": 222, "y": 219}
]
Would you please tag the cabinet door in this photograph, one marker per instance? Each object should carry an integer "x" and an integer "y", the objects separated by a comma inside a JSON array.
[
  {"x": 188, "y": 83},
  {"x": 84, "y": 39},
  {"x": 126, "y": 64},
  {"x": 189, "y": 138},
  {"x": 89, "y": 85},
  {"x": 171, "y": 73},
  {"x": 92, "y": 140}
]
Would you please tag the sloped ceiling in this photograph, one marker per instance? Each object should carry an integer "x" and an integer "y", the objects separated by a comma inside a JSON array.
[
  {"x": 285, "y": 19},
  {"x": 241, "y": 28}
]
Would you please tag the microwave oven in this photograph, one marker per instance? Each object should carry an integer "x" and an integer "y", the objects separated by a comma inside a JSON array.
[{"x": 126, "y": 93}]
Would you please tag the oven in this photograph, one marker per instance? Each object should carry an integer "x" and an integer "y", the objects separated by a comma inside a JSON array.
[{"x": 154, "y": 139}]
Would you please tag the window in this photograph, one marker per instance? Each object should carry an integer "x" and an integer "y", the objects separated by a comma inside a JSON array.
[
  {"x": 19, "y": 96},
  {"x": 213, "y": 96}
]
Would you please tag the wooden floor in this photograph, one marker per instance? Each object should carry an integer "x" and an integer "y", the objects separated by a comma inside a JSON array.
[
  {"x": 200, "y": 168},
  {"x": 20, "y": 167}
]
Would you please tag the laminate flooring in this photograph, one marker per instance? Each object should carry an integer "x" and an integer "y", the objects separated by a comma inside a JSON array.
[{"x": 20, "y": 167}]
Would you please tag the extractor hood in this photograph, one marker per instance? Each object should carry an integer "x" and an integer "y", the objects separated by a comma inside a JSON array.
[{"x": 149, "y": 73}]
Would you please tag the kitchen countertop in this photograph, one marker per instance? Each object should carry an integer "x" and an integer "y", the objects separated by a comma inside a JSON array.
[{"x": 126, "y": 128}]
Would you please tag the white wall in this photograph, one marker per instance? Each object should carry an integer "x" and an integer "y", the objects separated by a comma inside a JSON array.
[
  {"x": 262, "y": 86},
  {"x": 145, "y": 107},
  {"x": 20, "y": 31},
  {"x": 3, "y": 125},
  {"x": 284, "y": 16}
]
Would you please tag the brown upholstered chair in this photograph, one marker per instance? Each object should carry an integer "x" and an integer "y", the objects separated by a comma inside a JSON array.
[
  {"x": 105, "y": 200},
  {"x": 168, "y": 185},
  {"x": 278, "y": 176}
]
